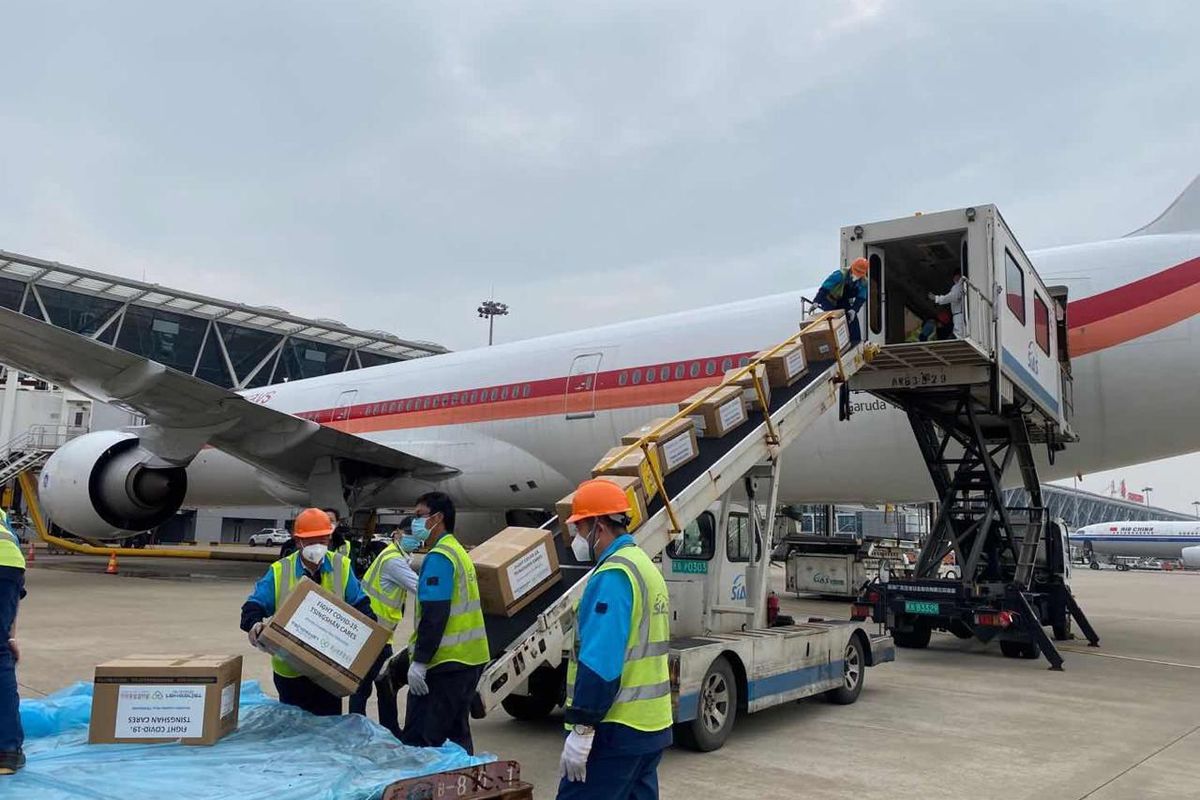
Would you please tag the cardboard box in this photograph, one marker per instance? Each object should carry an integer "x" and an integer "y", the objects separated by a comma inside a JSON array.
[
  {"x": 719, "y": 414},
  {"x": 676, "y": 443},
  {"x": 324, "y": 638},
  {"x": 633, "y": 465},
  {"x": 633, "y": 492},
  {"x": 513, "y": 568},
  {"x": 144, "y": 699},
  {"x": 747, "y": 384},
  {"x": 818, "y": 343},
  {"x": 786, "y": 366}
]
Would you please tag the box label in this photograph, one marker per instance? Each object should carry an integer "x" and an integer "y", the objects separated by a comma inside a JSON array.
[
  {"x": 795, "y": 362},
  {"x": 327, "y": 629},
  {"x": 528, "y": 571},
  {"x": 677, "y": 451},
  {"x": 732, "y": 414},
  {"x": 228, "y": 695},
  {"x": 164, "y": 711}
]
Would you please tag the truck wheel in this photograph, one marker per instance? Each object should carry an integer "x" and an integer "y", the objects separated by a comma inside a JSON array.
[
  {"x": 252, "y": 543},
  {"x": 716, "y": 712},
  {"x": 1093, "y": 565},
  {"x": 916, "y": 639},
  {"x": 961, "y": 630},
  {"x": 546, "y": 691},
  {"x": 1012, "y": 649},
  {"x": 853, "y": 674}
]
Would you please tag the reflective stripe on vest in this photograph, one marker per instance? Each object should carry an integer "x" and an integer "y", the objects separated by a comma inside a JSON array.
[
  {"x": 643, "y": 701},
  {"x": 10, "y": 549},
  {"x": 344, "y": 550},
  {"x": 286, "y": 580},
  {"x": 464, "y": 639},
  {"x": 388, "y": 605}
]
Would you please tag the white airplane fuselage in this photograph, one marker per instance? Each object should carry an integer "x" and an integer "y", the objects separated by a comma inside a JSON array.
[
  {"x": 1166, "y": 539},
  {"x": 524, "y": 424}
]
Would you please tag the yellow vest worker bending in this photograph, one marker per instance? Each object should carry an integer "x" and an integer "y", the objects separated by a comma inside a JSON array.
[
  {"x": 449, "y": 647},
  {"x": 12, "y": 589},
  {"x": 618, "y": 707},
  {"x": 312, "y": 559}
]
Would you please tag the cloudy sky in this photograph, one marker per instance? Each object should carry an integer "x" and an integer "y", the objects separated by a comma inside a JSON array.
[{"x": 390, "y": 164}]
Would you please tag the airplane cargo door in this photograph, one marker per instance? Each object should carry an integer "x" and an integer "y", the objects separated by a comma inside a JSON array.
[
  {"x": 341, "y": 411},
  {"x": 581, "y": 386}
]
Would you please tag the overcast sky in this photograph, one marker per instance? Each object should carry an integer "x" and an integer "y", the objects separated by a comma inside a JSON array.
[{"x": 390, "y": 164}]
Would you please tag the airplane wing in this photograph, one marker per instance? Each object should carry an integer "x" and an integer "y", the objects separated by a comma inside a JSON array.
[{"x": 183, "y": 413}]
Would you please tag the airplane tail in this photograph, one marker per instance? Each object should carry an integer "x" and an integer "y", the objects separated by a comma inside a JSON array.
[{"x": 1182, "y": 216}]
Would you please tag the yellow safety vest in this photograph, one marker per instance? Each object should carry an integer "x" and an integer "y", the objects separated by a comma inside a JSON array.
[
  {"x": 644, "y": 700},
  {"x": 464, "y": 640},
  {"x": 10, "y": 547},
  {"x": 388, "y": 604},
  {"x": 285, "y": 580}
]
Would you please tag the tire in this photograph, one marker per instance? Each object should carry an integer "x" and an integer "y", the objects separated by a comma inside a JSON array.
[
  {"x": 961, "y": 630},
  {"x": 1011, "y": 649},
  {"x": 854, "y": 673},
  {"x": 253, "y": 543},
  {"x": 717, "y": 711},
  {"x": 915, "y": 639},
  {"x": 528, "y": 707},
  {"x": 951, "y": 575},
  {"x": 1062, "y": 631},
  {"x": 1093, "y": 565}
]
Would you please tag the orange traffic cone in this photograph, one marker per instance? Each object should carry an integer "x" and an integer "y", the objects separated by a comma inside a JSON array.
[
  {"x": 112, "y": 564},
  {"x": 29, "y": 555}
]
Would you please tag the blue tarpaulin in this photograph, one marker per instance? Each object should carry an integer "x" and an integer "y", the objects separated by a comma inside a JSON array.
[{"x": 277, "y": 752}]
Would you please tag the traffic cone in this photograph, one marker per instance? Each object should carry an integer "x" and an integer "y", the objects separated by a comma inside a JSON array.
[
  {"x": 29, "y": 555},
  {"x": 112, "y": 564}
]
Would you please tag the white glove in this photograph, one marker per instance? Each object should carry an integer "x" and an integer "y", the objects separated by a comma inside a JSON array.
[
  {"x": 253, "y": 633},
  {"x": 408, "y": 576},
  {"x": 416, "y": 679},
  {"x": 575, "y": 754}
]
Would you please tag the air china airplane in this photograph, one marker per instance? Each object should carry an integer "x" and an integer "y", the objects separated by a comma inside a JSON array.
[
  {"x": 1167, "y": 539},
  {"x": 517, "y": 425}
]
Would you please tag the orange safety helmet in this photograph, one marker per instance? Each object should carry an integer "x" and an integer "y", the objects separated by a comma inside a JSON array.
[
  {"x": 858, "y": 268},
  {"x": 311, "y": 523},
  {"x": 597, "y": 498}
]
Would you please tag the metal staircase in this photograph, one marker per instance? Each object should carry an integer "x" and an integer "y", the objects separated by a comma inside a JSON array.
[{"x": 30, "y": 449}]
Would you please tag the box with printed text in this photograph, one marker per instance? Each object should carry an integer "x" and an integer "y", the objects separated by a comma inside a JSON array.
[{"x": 514, "y": 567}]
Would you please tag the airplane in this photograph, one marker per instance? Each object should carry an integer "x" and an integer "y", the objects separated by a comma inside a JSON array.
[
  {"x": 517, "y": 425},
  {"x": 1154, "y": 539}
]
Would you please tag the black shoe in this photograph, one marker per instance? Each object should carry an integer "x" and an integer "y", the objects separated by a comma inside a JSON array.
[
  {"x": 10, "y": 762},
  {"x": 477, "y": 709}
]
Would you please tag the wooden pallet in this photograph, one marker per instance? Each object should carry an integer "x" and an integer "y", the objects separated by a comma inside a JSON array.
[{"x": 499, "y": 780}]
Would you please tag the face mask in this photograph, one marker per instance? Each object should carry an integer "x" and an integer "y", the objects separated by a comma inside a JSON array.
[
  {"x": 581, "y": 549},
  {"x": 409, "y": 543},
  {"x": 314, "y": 553},
  {"x": 420, "y": 528}
]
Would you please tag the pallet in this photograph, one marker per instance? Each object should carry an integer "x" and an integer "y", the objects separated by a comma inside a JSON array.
[{"x": 499, "y": 780}]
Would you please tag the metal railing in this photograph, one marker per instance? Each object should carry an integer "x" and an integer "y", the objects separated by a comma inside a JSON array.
[
  {"x": 981, "y": 317},
  {"x": 41, "y": 438}
]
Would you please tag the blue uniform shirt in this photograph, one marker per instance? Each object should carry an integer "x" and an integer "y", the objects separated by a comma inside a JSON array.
[{"x": 605, "y": 612}]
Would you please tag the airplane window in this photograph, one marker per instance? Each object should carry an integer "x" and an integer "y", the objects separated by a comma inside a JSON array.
[
  {"x": 453, "y": 399},
  {"x": 515, "y": 391},
  {"x": 525, "y": 390},
  {"x": 504, "y": 393},
  {"x": 494, "y": 393},
  {"x": 463, "y": 398},
  {"x": 623, "y": 379},
  {"x": 436, "y": 402},
  {"x": 679, "y": 372},
  {"x": 726, "y": 364},
  {"x": 664, "y": 374},
  {"x": 474, "y": 396},
  {"x": 637, "y": 377},
  {"x": 425, "y": 403},
  {"x": 694, "y": 370},
  {"x": 710, "y": 367},
  {"x": 743, "y": 361},
  {"x": 650, "y": 374}
]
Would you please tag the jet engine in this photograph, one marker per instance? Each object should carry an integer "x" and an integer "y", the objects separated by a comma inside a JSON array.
[
  {"x": 1191, "y": 557},
  {"x": 105, "y": 482}
]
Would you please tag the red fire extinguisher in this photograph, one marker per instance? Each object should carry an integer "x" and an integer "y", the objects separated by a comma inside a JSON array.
[{"x": 772, "y": 609}]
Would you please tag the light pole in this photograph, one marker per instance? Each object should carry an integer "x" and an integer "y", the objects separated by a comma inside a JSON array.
[
  {"x": 492, "y": 309},
  {"x": 1196, "y": 508},
  {"x": 1146, "y": 490}
]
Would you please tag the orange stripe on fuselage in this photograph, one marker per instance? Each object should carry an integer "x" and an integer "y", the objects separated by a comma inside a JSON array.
[
  {"x": 670, "y": 393},
  {"x": 1136, "y": 322}
]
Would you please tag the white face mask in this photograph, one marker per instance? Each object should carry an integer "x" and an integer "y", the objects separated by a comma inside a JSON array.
[
  {"x": 314, "y": 553},
  {"x": 581, "y": 549}
]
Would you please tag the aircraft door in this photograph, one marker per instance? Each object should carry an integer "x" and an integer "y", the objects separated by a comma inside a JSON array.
[
  {"x": 341, "y": 411},
  {"x": 871, "y": 324},
  {"x": 581, "y": 386}
]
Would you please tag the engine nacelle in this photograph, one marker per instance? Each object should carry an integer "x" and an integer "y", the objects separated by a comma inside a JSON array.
[
  {"x": 1191, "y": 557},
  {"x": 103, "y": 482}
]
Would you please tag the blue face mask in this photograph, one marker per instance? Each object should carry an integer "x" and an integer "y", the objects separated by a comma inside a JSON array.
[
  {"x": 409, "y": 543},
  {"x": 420, "y": 528}
]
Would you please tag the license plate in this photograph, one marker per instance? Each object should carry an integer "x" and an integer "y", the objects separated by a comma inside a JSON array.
[
  {"x": 689, "y": 567},
  {"x": 921, "y": 607}
]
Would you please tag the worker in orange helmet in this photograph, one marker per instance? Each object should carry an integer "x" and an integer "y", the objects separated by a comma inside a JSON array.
[
  {"x": 846, "y": 289},
  {"x": 618, "y": 709},
  {"x": 312, "y": 559}
]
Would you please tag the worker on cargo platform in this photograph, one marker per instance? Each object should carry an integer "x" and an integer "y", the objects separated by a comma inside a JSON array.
[
  {"x": 846, "y": 289},
  {"x": 312, "y": 532},
  {"x": 449, "y": 646},
  {"x": 618, "y": 709},
  {"x": 12, "y": 590},
  {"x": 954, "y": 299}
]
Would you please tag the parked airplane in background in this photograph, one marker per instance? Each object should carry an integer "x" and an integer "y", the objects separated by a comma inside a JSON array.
[
  {"x": 1168, "y": 539},
  {"x": 517, "y": 425}
]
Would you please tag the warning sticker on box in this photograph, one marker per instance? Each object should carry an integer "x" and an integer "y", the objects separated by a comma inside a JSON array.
[
  {"x": 732, "y": 414},
  {"x": 148, "y": 711},
  {"x": 795, "y": 363},
  {"x": 528, "y": 571},
  {"x": 228, "y": 696},
  {"x": 327, "y": 629},
  {"x": 677, "y": 451}
]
